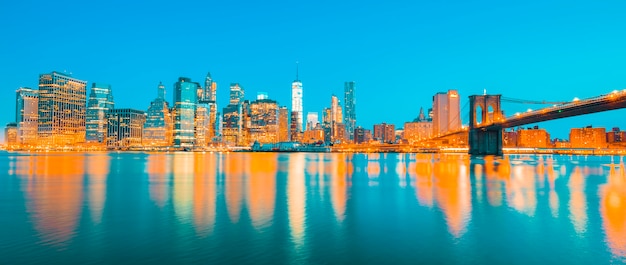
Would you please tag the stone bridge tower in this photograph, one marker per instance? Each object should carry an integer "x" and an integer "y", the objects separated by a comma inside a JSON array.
[{"x": 485, "y": 131}]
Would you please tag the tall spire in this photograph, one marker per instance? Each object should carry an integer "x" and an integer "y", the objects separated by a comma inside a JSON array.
[{"x": 297, "y": 79}]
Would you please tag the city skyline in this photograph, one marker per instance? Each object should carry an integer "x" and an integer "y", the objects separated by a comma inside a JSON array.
[{"x": 528, "y": 54}]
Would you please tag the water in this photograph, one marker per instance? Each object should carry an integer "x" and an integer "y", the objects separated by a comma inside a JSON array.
[{"x": 305, "y": 208}]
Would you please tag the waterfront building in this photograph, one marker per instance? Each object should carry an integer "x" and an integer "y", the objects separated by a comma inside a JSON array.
[
  {"x": 616, "y": 136},
  {"x": 264, "y": 121},
  {"x": 185, "y": 98},
  {"x": 588, "y": 137},
  {"x": 314, "y": 135},
  {"x": 294, "y": 130},
  {"x": 312, "y": 120},
  {"x": 533, "y": 138},
  {"x": 209, "y": 99},
  {"x": 100, "y": 101},
  {"x": 349, "y": 118},
  {"x": 420, "y": 129},
  {"x": 283, "y": 124},
  {"x": 337, "y": 127},
  {"x": 10, "y": 134},
  {"x": 158, "y": 128},
  {"x": 124, "y": 128},
  {"x": 201, "y": 125},
  {"x": 362, "y": 135},
  {"x": 61, "y": 109},
  {"x": 296, "y": 104},
  {"x": 509, "y": 139},
  {"x": 233, "y": 117},
  {"x": 446, "y": 112},
  {"x": 385, "y": 133},
  {"x": 26, "y": 112}
]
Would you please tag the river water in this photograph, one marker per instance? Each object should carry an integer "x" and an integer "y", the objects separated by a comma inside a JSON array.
[{"x": 309, "y": 208}]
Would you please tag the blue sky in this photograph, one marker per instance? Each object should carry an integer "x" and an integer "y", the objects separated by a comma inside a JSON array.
[{"x": 400, "y": 53}]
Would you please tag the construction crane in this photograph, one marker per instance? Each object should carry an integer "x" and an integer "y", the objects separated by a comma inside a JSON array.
[{"x": 523, "y": 101}]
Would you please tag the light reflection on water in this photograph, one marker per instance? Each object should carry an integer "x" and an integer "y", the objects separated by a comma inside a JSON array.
[{"x": 311, "y": 208}]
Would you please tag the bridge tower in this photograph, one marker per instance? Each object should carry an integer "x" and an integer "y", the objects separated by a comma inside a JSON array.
[{"x": 485, "y": 131}]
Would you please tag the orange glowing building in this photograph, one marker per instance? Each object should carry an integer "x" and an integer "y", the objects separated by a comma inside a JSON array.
[
  {"x": 588, "y": 137},
  {"x": 533, "y": 137}
]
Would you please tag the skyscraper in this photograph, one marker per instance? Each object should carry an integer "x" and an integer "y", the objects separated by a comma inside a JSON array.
[
  {"x": 337, "y": 127},
  {"x": 100, "y": 101},
  {"x": 232, "y": 121},
  {"x": 26, "y": 111},
  {"x": 296, "y": 102},
  {"x": 61, "y": 109},
  {"x": 185, "y": 98},
  {"x": 283, "y": 124},
  {"x": 446, "y": 115},
  {"x": 209, "y": 98},
  {"x": 157, "y": 130},
  {"x": 124, "y": 128},
  {"x": 264, "y": 121},
  {"x": 312, "y": 120},
  {"x": 349, "y": 118}
]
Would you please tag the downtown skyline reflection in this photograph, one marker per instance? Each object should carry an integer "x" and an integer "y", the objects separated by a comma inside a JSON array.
[{"x": 290, "y": 207}]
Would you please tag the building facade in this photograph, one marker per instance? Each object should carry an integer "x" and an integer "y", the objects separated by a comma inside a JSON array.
[
  {"x": 533, "y": 138},
  {"x": 185, "y": 98},
  {"x": 233, "y": 117},
  {"x": 124, "y": 128},
  {"x": 158, "y": 128},
  {"x": 10, "y": 135},
  {"x": 349, "y": 117},
  {"x": 26, "y": 115},
  {"x": 588, "y": 137},
  {"x": 446, "y": 112},
  {"x": 296, "y": 103},
  {"x": 385, "y": 133},
  {"x": 61, "y": 110},
  {"x": 100, "y": 101},
  {"x": 264, "y": 121},
  {"x": 362, "y": 135},
  {"x": 420, "y": 129},
  {"x": 283, "y": 124}
]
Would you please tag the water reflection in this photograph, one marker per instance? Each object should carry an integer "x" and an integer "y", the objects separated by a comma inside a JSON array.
[
  {"x": 55, "y": 195},
  {"x": 613, "y": 210},
  {"x": 339, "y": 184},
  {"x": 261, "y": 188},
  {"x": 453, "y": 192},
  {"x": 97, "y": 172},
  {"x": 204, "y": 193},
  {"x": 158, "y": 169},
  {"x": 234, "y": 166},
  {"x": 296, "y": 198},
  {"x": 578, "y": 200}
]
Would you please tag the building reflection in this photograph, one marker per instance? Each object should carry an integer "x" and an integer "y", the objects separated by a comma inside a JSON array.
[
  {"x": 158, "y": 168},
  {"x": 261, "y": 188},
  {"x": 520, "y": 189},
  {"x": 553, "y": 196},
  {"x": 234, "y": 168},
  {"x": 578, "y": 200},
  {"x": 296, "y": 198},
  {"x": 423, "y": 179},
  {"x": 55, "y": 195},
  {"x": 183, "y": 169},
  {"x": 453, "y": 192},
  {"x": 613, "y": 210},
  {"x": 97, "y": 172},
  {"x": 204, "y": 193},
  {"x": 339, "y": 184}
]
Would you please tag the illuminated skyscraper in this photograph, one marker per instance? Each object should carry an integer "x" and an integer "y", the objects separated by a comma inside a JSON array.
[
  {"x": 283, "y": 124},
  {"x": 349, "y": 118},
  {"x": 264, "y": 121},
  {"x": 124, "y": 128},
  {"x": 296, "y": 102},
  {"x": 312, "y": 120},
  {"x": 100, "y": 101},
  {"x": 27, "y": 101},
  {"x": 61, "y": 109},
  {"x": 336, "y": 120},
  {"x": 232, "y": 121},
  {"x": 446, "y": 115},
  {"x": 157, "y": 130},
  {"x": 10, "y": 134},
  {"x": 185, "y": 98},
  {"x": 209, "y": 100}
]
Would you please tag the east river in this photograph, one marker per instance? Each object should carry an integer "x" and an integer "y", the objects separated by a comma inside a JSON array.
[{"x": 310, "y": 208}]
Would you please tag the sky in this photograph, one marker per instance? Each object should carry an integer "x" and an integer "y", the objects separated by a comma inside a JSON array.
[{"x": 399, "y": 53}]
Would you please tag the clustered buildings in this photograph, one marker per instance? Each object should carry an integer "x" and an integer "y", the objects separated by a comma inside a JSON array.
[{"x": 62, "y": 113}]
